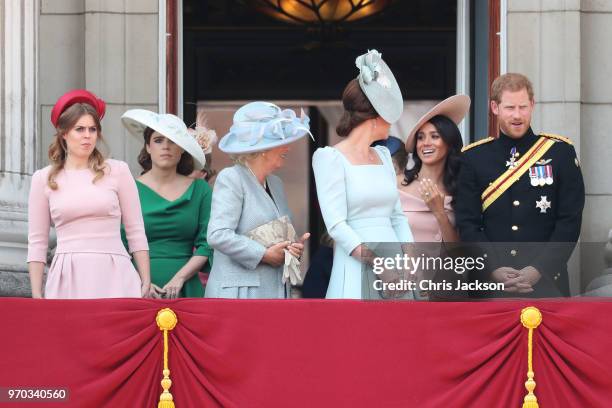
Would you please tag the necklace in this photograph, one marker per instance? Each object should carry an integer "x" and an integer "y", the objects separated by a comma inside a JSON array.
[{"x": 265, "y": 184}]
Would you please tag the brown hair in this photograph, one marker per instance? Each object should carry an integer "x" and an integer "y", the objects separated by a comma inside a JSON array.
[
  {"x": 512, "y": 82},
  {"x": 58, "y": 150},
  {"x": 400, "y": 159},
  {"x": 184, "y": 167},
  {"x": 357, "y": 108}
]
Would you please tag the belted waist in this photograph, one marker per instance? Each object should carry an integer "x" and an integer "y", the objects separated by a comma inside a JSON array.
[
  {"x": 92, "y": 235},
  {"x": 95, "y": 245}
]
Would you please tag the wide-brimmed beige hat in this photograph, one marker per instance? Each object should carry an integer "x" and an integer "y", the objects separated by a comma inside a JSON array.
[{"x": 455, "y": 108}]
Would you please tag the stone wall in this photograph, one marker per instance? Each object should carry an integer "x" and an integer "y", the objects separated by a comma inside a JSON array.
[
  {"x": 107, "y": 46},
  {"x": 49, "y": 47},
  {"x": 563, "y": 47}
]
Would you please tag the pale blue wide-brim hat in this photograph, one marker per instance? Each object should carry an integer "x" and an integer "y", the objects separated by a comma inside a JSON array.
[
  {"x": 261, "y": 126},
  {"x": 379, "y": 85}
]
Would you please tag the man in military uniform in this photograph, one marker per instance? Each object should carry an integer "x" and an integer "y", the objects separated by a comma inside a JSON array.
[{"x": 525, "y": 191}]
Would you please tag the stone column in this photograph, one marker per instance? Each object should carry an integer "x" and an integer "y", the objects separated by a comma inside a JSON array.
[
  {"x": 121, "y": 50},
  {"x": 108, "y": 47},
  {"x": 18, "y": 143}
]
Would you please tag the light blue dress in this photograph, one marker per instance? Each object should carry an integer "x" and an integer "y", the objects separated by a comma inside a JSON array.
[{"x": 360, "y": 204}]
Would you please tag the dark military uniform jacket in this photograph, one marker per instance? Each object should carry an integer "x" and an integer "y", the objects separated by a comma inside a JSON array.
[{"x": 538, "y": 218}]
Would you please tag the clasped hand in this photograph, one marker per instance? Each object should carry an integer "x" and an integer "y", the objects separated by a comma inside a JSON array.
[
  {"x": 275, "y": 254},
  {"x": 515, "y": 280}
]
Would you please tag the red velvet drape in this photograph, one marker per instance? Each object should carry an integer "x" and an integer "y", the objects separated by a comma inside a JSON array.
[{"x": 308, "y": 353}]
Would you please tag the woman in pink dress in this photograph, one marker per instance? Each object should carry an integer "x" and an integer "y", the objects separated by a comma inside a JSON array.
[
  {"x": 427, "y": 188},
  {"x": 86, "y": 198}
]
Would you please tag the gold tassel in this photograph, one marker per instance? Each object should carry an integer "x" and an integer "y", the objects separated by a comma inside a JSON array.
[
  {"x": 531, "y": 319},
  {"x": 166, "y": 321}
]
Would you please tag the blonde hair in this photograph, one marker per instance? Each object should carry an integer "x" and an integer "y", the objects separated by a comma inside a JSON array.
[
  {"x": 512, "y": 82},
  {"x": 58, "y": 150},
  {"x": 243, "y": 158}
]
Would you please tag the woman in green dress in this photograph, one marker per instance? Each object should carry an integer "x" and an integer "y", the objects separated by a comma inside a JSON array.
[{"x": 175, "y": 207}]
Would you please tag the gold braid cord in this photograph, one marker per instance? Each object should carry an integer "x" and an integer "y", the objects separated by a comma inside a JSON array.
[
  {"x": 166, "y": 321},
  {"x": 531, "y": 319}
]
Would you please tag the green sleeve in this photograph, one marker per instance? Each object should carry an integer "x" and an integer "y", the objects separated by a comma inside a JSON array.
[{"x": 201, "y": 244}]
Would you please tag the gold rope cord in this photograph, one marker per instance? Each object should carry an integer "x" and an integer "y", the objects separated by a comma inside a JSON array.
[
  {"x": 166, "y": 321},
  {"x": 531, "y": 319}
]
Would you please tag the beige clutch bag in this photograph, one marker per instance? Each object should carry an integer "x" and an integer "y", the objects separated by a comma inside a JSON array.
[{"x": 276, "y": 231}]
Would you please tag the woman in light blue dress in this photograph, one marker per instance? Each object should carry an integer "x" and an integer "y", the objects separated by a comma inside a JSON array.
[{"x": 356, "y": 184}]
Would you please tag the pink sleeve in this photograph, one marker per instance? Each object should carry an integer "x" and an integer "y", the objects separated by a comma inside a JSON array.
[
  {"x": 39, "y": 219},
  {"x": 131, "y": 215}
]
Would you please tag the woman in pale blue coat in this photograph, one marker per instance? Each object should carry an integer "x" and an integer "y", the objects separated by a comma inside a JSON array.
[
  {"x": 247, "y": 196},
  {"x": 356, "y": 184}
]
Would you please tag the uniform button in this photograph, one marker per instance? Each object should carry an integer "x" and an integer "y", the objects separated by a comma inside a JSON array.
[
  {"x": 438, "y": 237},
  {"x": 556, "y": 277},
  {"x": 516, "y": 203},
  {"x": 513, "y": 252},
  {"x": 514, "y": 228}
]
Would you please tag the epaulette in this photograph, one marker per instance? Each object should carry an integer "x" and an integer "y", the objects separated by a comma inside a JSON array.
[
  {"x": 478, "y": 143},
  {"x": 557, "y": 137}
]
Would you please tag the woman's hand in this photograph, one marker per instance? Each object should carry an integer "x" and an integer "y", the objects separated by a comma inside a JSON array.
[
  {"x": 145, "y": 289},
  {"x": 275, "y": 255},
  {"x": 432, "y": 196},
  {"x": 155, "y": 292},
  {"x": 397, "y": 277},
  {"x": 363, "y": 254},
  {"x": 297, "y": 248},
  {"x": 173, "y": 287}
]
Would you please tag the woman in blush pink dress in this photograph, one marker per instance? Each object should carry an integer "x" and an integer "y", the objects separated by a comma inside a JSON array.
[
  {"x": 86, "y": 198},
  {"x": 427, "y": 188}
]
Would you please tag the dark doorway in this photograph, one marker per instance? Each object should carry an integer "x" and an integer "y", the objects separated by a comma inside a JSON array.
[{"x": 234, "y": 52}]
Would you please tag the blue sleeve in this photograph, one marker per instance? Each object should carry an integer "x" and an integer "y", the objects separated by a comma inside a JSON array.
[
  {"x": 225, "y": 213},
  {"x": 331, "y": 191}
]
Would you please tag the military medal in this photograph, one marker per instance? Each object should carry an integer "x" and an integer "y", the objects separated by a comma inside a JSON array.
[
  {"x": 549, "y": 174},
  {"x": 533, "y": 175},
  {"x": 543, "y": 204},
  {"x": 513, "y": 155},
  {"x": 541, "y": 177}
]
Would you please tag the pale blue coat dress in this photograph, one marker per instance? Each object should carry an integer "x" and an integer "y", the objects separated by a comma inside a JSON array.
[
  {"x": 360, "y": 204},
  {"x": 240, "y": 204}
]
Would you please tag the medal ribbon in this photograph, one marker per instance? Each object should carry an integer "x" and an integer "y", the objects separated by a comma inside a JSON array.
[{"x": 510, "y": 176}]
